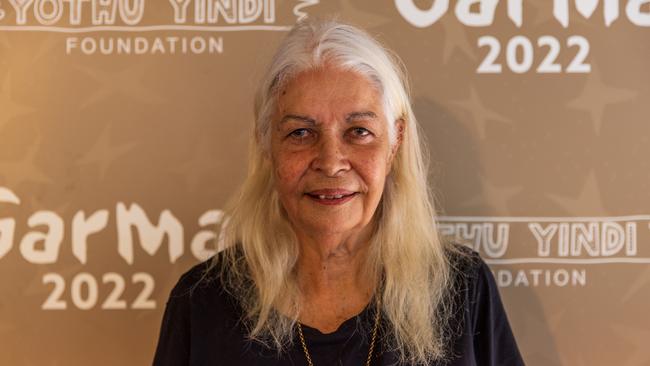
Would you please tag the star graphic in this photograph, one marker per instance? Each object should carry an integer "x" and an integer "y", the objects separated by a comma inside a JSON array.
[
  {"x": 637, "y": 336},
  {"x": 569, "y": 316},
  {"x": 480, "y": 113},
  {"x": 532, "y": 324},
  {"x": 494, "y": 196},
  {"x": 534, "y": 330},
  {"x": 35, "y": 203},
  {"x": 102, "y": 153},
  {"x": 365, "y": 17},
  {"x": 37, "y": 286},
  {"x": 8, "y": 107},
  {"x": 47, "y": 46},
  {"x": 193, "y": 169},
  {"x": 455, "y": 38},
  {"x": 126, "y": 82},
  {"x": 641, "y": 281},
  {"x": 551, "y": 322},
  {"x": 557, "y": 319},
  {"x": 544, "y": 13},
  {"x": 23, "y": 170},
  {"x": 596, "y": 95},
  {"x": 588, "y": 201}
]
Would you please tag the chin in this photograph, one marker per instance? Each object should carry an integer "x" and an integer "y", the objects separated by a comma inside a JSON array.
[{"x": 325, "y": 226}]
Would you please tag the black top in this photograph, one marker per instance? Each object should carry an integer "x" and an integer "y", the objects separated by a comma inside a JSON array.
[{"x": 201, "y": 326}]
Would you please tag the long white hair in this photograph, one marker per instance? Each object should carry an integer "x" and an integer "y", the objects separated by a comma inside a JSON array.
[{"x": 408, "y": 261}]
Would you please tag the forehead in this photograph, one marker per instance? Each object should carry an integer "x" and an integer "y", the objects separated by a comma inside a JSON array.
[{"x": 329, "y": 89}]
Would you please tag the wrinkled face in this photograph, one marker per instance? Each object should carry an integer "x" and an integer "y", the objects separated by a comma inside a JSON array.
[{"x": 330, "y": 149}]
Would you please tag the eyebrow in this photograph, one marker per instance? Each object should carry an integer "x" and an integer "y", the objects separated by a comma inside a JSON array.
[
  {"x": 305, "y": 119},
  {"x": 360, "y": 115},
  {"x": 349, "y": 118}
]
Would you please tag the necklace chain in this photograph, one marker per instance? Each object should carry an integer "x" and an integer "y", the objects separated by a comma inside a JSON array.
[{"x": 372, "y": 340}]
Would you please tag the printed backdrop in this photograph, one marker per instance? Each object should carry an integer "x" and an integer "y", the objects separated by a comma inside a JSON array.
[{"x": 124, "y": 128}]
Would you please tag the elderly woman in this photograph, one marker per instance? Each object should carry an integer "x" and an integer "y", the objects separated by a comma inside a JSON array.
[{"x": 333, "y": 257}]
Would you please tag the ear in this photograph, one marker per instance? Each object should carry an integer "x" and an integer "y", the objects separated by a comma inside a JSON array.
[
  {"x": 259, "y": 145},
  {"x": 399, "y": 127}
]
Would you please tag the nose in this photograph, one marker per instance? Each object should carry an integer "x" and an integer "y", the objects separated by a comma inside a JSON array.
[{"x": 331, "y": 158}]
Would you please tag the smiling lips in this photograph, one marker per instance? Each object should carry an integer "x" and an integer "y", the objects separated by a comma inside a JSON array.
[{"x": 331, "y": 196}]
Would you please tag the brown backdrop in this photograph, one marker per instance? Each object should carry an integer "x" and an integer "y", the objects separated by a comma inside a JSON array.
[{"x": 123, "y": 131}]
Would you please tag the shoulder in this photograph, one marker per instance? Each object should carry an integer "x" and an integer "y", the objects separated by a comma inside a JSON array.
[
  {"x": 487, "y": 332},
  {"x": 465, "y": 263},
  {"x": 474, "y": 291},
  {"x": 202, "y": 278},
  {"x": 201, "y": 297},
  {"x": 471, "y": 275},
  {"x": 198, "y": 309}
]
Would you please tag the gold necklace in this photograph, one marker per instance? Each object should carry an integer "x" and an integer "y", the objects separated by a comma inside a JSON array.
[{"x": 372, "y": 340}]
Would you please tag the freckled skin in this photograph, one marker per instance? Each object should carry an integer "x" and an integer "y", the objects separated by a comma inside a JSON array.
[{"x": 330, "y": 151}]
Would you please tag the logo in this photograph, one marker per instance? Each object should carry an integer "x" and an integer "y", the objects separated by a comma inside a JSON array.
[
  {"x": 524, "y": 54},
  {"x": 552, "y": 251},
  {"x": 134, "y": 27}
]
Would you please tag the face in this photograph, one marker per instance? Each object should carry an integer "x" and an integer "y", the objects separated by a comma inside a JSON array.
[{"x": 331, "y": 151}]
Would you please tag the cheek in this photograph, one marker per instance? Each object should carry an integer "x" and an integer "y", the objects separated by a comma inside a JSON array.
[
  {"x": 288, "y": 171},
  {"x": 373, "y": 171}
]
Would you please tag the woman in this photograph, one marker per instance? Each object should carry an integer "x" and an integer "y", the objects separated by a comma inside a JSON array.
[{"x": 333, "y": 257}]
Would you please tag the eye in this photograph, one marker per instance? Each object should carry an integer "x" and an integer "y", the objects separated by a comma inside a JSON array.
[
  {"x": 300, "y": 134},
  {"x": 360, "y": 132}
]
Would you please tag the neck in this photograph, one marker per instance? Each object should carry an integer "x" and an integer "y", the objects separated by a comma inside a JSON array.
[
  {"x": 320, "y": 268},
  {"x": 332, "y": 279},
  {"x": 331, "y": 260}
]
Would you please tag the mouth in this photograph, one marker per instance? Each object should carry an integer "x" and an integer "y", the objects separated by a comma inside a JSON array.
[{"x": 331, "y": 196}]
